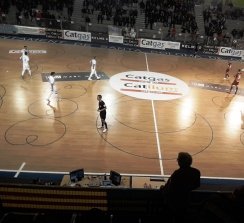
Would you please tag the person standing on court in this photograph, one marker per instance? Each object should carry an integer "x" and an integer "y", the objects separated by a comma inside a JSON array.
[
  {"x": 176, "y": 192},
  {"x": 102, "y": 110},
  {"x": 196, "y": 48},
  {"x": 227, "y": 71},
  {"x": 26, "y": 66},
  {"x": 51, "y": 80},
  {"x": 25, "y": 50},
  {"x": 237, "y": 78},
  {"x": 93, "y": 63}
]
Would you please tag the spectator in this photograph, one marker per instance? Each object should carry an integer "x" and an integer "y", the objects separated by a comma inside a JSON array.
[
  {"x": 142, "y": 6},
  {"x": 88, "y": 20},
  {"x": 100, "y": 18},
  {"x": 18, "y": 18},
  {"x": 173, "y": 33},
  {"x": 177, "y": 190},
  {"x": 133, "y": 33}
]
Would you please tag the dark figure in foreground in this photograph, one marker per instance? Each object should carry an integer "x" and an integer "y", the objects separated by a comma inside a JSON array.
[
  {"x": 176, "y": 191},
  {"x": 102, "y": 110}
]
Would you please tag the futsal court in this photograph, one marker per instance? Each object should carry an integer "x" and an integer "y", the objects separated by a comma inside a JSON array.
[{"x": 144, "y": 136}]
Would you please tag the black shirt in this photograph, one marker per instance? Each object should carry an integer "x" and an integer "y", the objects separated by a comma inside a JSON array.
[{"x": 102, "y": 106}]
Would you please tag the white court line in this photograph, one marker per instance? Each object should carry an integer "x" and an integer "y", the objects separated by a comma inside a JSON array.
[
  {"x": 156, "y": 130},
  {"x": 19, "y": 170}
]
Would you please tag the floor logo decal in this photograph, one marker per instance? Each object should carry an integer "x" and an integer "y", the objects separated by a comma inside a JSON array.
[{"x": 149, "y": 85}]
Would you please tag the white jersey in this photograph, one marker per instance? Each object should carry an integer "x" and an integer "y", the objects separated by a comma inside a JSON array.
[
  {"x": 93, "y": 64},
  {"x": 51, "y": 79},
  {"x": 25, "y": 60},
  {"x": 23, "y": 51}
]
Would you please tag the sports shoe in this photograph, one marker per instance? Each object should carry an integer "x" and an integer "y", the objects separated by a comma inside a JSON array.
[
  {"x": 100, "y": 127},
  {"x": 89, "y": 79},
  {"x": 105, "y": 130},
  {"x": 98, "y": 78}
]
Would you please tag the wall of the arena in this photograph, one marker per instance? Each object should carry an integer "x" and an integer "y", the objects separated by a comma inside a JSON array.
[{"x": 211, "y": 51}]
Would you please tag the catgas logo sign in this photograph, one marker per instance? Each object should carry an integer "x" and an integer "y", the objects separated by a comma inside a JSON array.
[
  {"x": 155, "y": 44},
  {"x": 149, "y": 85},
  {"x": 226, "y": 51},
  {"x": 79, "y": 36}
]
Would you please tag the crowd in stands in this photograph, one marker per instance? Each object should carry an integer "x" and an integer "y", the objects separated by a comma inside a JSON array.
[
  {"x": 129, "y": 32},
  {"x": 4, "y": 9},
  {"x": 215, "y": 23},
  {"x": 232, "y": 12},
  {"x": 37, "y": 9},
  {"x": 125, "y": 14},
  {"x": 170, "y": 13},
  {"x": 4, "y": 6}
]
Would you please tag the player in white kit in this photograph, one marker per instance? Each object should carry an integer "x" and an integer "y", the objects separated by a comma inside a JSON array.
[
  {"x": 25, "y": 49},
  {"x": 26, "y": 66},
  {"x": 51, "y": 80},
  {"x": 93, "y": 63}
]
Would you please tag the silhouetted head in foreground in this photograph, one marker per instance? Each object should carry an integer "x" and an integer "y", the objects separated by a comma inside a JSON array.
[{"x": 184, "y": 159}]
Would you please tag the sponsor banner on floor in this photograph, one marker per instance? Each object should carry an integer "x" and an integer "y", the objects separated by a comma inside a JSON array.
[
  {"x": 73, "y": 76},
  {"x": 78, "y": 36},
  {"x": 116, "y": 39},
  {"x": 214, "y": 87},
  {"x": 29, "y": 51}
]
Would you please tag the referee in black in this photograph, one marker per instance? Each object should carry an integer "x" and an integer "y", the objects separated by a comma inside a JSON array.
[{"x": 102, "y": 109}]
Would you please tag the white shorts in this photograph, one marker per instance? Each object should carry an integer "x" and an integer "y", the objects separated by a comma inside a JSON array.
[{"x": 26, "y": 67}]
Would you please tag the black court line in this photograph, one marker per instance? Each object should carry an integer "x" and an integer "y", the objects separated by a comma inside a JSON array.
[{"x": 74, "y": 76}]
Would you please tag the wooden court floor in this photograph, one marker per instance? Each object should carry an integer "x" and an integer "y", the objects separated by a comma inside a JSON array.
[{"x": 63, "y": 136}]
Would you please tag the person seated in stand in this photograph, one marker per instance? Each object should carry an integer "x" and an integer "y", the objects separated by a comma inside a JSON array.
[
  {"x": 177, "y": 189},
  {"x": 132, "y": 33}
]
